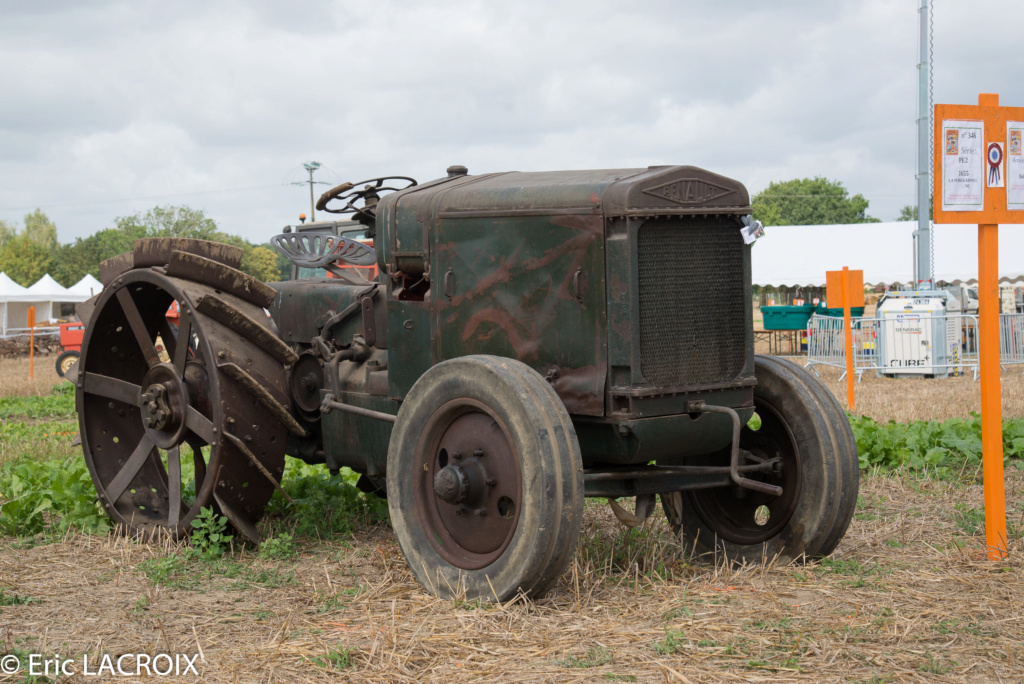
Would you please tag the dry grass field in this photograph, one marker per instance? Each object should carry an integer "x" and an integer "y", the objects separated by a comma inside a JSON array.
[
  {"x": 912, "y": 399},
  {"x": 907, "y": 596},
  {"x": 14, "y": 373}
]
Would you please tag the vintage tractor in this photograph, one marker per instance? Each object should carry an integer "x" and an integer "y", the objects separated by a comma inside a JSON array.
[{"x": 529, "y": 339}]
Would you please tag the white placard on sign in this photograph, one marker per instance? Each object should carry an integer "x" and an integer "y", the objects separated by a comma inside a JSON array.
[
  {"x": 963, "y": 165},
  {"x": 1015, "y": 164}
]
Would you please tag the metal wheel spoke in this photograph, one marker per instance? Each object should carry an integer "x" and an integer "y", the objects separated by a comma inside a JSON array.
[
  {"x": 112, "y": 388},
  {"x": 181, "y": 344},
  {"x": 199, "y": 474},
  {"x": 173, "y": 486},
  {"x": 200, "y": 425},
  {"x": 138, "y": 327},
  {"x": 131, "y": 468}
]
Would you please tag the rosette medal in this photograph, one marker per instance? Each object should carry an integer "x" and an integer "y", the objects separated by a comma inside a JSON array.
[{"x": 995, "y": 161}]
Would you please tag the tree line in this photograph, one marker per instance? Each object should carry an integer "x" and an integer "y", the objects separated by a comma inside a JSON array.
[
  {"x": 31, "y": 251},
  {"x": 26, "y": 254}
]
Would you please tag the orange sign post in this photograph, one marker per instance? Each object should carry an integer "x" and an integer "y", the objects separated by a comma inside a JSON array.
[
  {"x": 979, "y": 178},
  {"x": 846, "y": 286},
  {"x": 31, "y": 340}
]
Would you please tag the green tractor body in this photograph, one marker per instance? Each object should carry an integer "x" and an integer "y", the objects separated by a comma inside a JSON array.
[
  {"x": 487, "y": 350},
  {"x": 625, "y": 289}
]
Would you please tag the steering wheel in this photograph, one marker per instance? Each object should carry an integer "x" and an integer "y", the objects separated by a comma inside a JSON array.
[{"x": 369, "y": 195}]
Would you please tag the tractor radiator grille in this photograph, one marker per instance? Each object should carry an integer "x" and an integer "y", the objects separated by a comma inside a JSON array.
[{"x": 692, "y": 328}]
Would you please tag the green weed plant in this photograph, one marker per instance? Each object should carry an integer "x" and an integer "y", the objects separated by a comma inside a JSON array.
[{"x": 945, "y": 448}]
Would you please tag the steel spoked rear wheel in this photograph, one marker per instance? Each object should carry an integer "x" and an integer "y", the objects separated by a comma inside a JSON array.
[{"x": 164, "y": 439}]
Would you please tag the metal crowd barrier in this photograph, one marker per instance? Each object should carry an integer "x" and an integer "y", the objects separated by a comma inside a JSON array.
[
  {"x": 18, "y": 333},
  {"x": 1011, "y": 339},
  {"x": 910, "y": 344}
]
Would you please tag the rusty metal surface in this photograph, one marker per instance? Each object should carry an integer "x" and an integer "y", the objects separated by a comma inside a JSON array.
[
  {"x": 115, "y": 266},
  {"x": 676, "y": 191},
  {"x": 258, "y": 391},
  {"x": 469, "y": 494},
  {"x": 217, "y": 275},
  {"x": 302, "y": 307},
  {"x": 157, "y": 251},
  {"x": 513, "y": 297},
  {"x": 84, "y": 309},
  {"x": 264, "y": 338}
]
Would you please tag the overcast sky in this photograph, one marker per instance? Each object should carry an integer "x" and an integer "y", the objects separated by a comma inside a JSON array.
[{"x": 110, "y": 108}]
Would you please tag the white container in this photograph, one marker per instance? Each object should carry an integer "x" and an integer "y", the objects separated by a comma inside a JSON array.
[{"x": 915, "y": 335}]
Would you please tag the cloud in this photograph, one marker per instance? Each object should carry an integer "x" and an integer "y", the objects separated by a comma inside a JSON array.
[{"x": 114, "y": 107}]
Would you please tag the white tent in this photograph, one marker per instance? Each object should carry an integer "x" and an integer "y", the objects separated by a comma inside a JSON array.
[
  {"x": 52, "y": 293},
  {"x": 46, "y": 295},
  {"x": 86, "y": 287},
  {"x": 800, "y": 255},
  {"x": 12, "y": 306},
  {"x": 14, "y": 303}
]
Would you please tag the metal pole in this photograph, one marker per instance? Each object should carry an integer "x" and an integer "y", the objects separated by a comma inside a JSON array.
[
  {"x": 312, "y": 206},
  {"x": 922, "y": 245}
]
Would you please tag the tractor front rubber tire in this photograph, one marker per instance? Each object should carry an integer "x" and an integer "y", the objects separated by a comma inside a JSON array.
[
  {"x": 517, "y": 430},
  {"x": 822, "y": 450}
]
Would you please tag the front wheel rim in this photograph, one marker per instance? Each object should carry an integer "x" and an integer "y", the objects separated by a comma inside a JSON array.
[
  {"x": 468, "y": 484},
  {"x": 744, "y": 516}
]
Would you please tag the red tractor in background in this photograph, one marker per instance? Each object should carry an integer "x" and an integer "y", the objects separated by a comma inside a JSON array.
[{"x": 71, "y": 340}]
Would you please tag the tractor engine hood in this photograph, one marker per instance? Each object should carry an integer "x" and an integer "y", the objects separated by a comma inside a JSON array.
[{"x": 404, "y": 219}]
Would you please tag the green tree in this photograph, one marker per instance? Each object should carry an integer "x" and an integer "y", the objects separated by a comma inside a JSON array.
[
  {"x": 261, "y": 263},
  {"x": 40, "y": 229},
  {"x": 25, "y": 260},
  {"x": 7, "y": 231},
  {"x": 809, "y": 201},
  {"x": 169, "y": 221},
  {"x": 28, "y": 254},
  {"x": 284, "y": 267},
  {"x": 908, "y": 212}
]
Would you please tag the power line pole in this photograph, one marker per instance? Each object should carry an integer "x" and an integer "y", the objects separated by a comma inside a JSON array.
[
  {"x": 924, "y": 269},
  {"x": 311, "y": 167}
]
